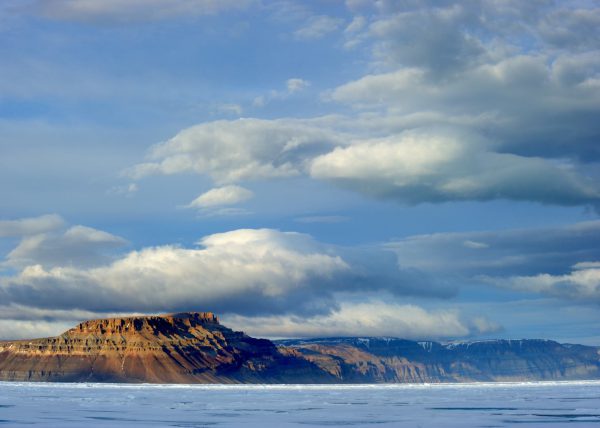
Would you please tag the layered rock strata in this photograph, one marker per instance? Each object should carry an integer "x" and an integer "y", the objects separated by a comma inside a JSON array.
[
  {"x": 196, "y": 348},
  {"x": 175, "y": 348},
  {"x": 391, "y": 360}
]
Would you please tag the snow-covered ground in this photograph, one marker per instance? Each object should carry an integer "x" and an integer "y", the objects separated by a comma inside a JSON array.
[{"x": 464, "y": 405}]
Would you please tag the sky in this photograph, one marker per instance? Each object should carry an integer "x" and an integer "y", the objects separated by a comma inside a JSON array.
[{"x": 419, "y": 169}]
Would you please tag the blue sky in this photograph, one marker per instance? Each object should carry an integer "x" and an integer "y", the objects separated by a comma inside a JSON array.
[{"x": 421, "y": 169}]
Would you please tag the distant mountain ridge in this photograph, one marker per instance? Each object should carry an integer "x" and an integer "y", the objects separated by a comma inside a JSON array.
[
  {"x": 372, "y": 359},
  {"x": 195, "y": 348}
]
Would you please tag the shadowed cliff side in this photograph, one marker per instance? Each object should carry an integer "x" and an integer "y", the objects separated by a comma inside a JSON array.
[{"x": 378, "y": 360}]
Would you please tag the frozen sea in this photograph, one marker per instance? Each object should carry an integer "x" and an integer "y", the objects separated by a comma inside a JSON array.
[{"x": 539, "y": 404}]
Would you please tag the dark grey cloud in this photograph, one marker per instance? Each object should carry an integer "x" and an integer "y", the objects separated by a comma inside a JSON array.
[
  {"x": 530, "y": 104},
  {"x": 529, "y": 68},
  {"x": 571, "y": 28},
  {"x": 508, "y": 253},
  {"x": 562, "y": 263},
  {"x": 445, "y": 36},
  {"x": 443, "y": 47}
]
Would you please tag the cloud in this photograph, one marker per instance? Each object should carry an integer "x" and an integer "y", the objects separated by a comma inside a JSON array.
[
  {"x": 30, "y": 226},
  {"x": 374, "y": 318},
  {"x": 581, "y": 284},
  {"x": 572, "y": 29},
  {"x": 122, "y": 11},
  {"x": 371, "y": 318},
  {"x": 246, "y": 271},
  {"x": 25, "y": 322},
  {"x": 475, "y": 245},
  {"x": 491, "y": 101},
  {"x": 531, "y": 68},
  {"x": 125, "y": 190},
  {"x": 529, "y": 104},
  {"x": 501, "y": 253},
  {"x": 459, "y": 35},
  {"x": 586, "y": 265},
  {"x": 219, "y": 196},
  {"x": 26, "y": 329},
  {"x": 229, "y": 151},
  {"x": 77, "y": 246},
  {"x": 436, "y": 167},
  {"x": 357, "y": 24},
  {"x": 292, "y": 87},
  {"x": 262, "y": 266},
  {"x": 296, "y": 85},
  {"x": 433, "y": 164},
  {"x": 505, "y": 86},
  {"x": 317, "y": 27},
  {"x": 445, "y": 46},
  {"x": 231, "y": 109}
]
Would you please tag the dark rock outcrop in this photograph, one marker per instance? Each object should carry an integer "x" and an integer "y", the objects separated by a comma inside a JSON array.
[{"x": 196, "y": 348}]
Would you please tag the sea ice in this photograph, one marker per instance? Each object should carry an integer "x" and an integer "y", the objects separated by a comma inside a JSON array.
[{"x": 537, "y": 404}]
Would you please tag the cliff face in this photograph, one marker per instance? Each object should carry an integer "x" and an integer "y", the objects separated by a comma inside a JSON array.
[
  {"x": 366, "y": 360},
  {"x": 177, "y": 348},
  {"x": 196, "y": 348}
]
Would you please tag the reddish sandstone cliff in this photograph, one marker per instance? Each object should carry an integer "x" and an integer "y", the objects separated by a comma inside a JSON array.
[{"x": 176, "y": 348}]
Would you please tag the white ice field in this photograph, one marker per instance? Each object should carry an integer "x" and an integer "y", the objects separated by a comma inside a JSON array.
[{"x": 540, "y": 404}]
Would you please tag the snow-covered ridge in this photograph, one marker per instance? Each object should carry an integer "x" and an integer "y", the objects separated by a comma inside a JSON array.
[
  {"x": 505, "y": 342},
  {"x": 426, "y": 345},
  {"x": 364, "y": 341}
]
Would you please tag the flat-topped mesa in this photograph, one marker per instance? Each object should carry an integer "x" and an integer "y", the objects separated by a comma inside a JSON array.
[
  {"x": 171, "y": 348},
  {"x": 132, "y": 324},
  {"x": 207, "y": 317}
]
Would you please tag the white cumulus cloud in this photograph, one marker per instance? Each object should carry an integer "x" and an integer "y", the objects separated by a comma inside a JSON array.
[
  {"x": 246, "y": 271},
  {"x": 230, "y": 151},
  {"x": 582, "y": 283},
  {"x": 431, "y": 164},
  {"x": 265, "y": 267}
]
